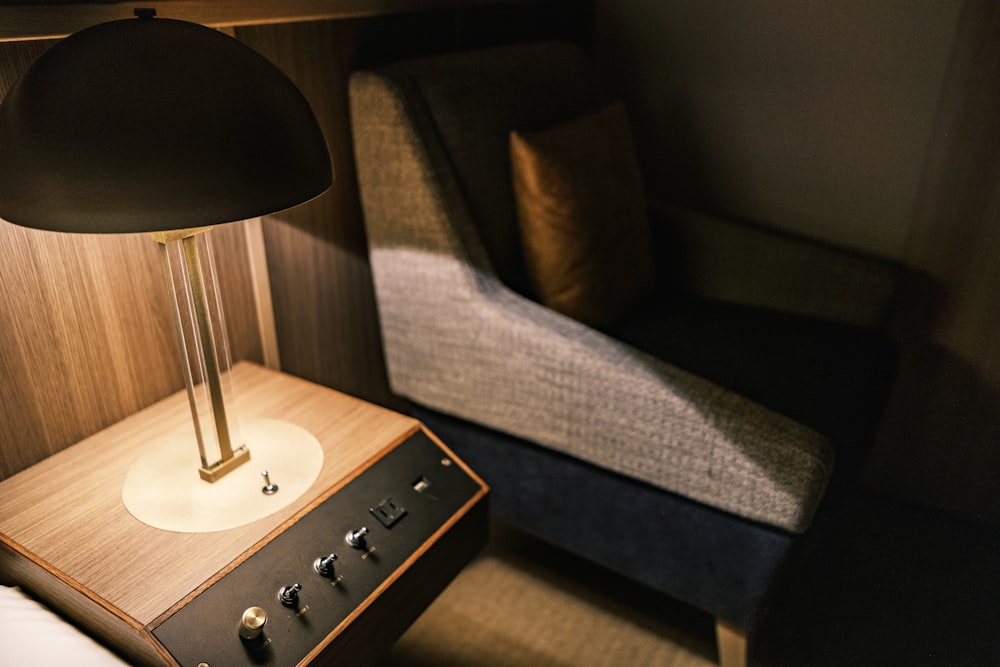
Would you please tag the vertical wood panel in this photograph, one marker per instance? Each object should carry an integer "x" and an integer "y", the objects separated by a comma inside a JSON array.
[
  {"x": 262, "y": 288},
  {"x": 320, "y": 279},
  {"x": 86, "y": 334},
  {"x": 81, "y": 343},
  {"x": 237, "y": 277}
]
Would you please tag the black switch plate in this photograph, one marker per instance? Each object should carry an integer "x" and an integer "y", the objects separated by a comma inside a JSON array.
[
  {"x": 388, "y": 512},
  {"x": 204, "y": 630}
]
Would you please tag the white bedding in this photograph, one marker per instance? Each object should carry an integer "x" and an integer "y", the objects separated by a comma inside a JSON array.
[{"x": 33, "y": 636}]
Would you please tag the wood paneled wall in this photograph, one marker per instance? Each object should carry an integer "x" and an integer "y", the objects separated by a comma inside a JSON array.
[
  {"x": 86, "y": 331},
  {"x": 321, "y": 284},
  {"x": 324, "y": 302},
  {"x": 86, "y": 336}
]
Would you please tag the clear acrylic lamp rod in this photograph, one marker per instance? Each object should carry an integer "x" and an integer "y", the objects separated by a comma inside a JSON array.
[{"x": 205, "y": 362}]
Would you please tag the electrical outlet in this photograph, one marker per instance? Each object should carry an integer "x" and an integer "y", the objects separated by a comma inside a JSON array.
[{"x": 388, "y": 511}]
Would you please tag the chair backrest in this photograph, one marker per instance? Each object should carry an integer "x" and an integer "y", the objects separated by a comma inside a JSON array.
[{"x": 470, "y": 102}]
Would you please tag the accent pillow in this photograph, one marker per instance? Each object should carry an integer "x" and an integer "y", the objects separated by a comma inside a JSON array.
[{"x": 582, "y": 216}]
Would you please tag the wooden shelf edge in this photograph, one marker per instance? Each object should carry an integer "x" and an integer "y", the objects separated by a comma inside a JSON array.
[{"x": 27, "y": 22}]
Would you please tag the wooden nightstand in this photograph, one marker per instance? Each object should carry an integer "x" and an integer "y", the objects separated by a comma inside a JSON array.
[{"x": 161, "y": 597}]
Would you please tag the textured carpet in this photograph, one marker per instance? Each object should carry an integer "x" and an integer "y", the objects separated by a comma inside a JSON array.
[
  {"x": 521, "y": 603},
  {"x": 895, "y": 585}
]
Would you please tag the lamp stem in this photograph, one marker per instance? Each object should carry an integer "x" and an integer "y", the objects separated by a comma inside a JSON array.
[
  {"x": 210, "y": 353},
  {"x": 204, "y": 350}
]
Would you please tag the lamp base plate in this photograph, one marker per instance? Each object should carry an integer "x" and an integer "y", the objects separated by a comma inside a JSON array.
[{"x": 164, "y": 490}]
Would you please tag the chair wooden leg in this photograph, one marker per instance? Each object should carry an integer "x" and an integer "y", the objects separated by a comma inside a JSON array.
[{"x": 732, "y": 643}]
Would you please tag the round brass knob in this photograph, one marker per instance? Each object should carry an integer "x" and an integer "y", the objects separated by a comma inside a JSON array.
[{"x": 252, "y": 623}]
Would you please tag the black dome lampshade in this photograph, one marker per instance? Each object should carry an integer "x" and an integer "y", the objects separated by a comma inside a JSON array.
[
  {"x": 168, "y": 127},
  {"x": 152, "y": 124}
]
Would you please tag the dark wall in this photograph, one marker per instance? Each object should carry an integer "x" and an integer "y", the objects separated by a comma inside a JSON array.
[
  {"x": 809, "y": 117},
  {"x": 871, "y": 125}
]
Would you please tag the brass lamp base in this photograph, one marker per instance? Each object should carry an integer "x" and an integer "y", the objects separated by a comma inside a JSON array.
[{"x": 214, "y": 473}]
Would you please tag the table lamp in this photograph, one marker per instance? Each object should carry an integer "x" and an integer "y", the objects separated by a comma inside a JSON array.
[{"x": 167, "y": 127}]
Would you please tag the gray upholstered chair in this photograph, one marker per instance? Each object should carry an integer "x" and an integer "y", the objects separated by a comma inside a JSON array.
[{"x": 695, "y": 445}]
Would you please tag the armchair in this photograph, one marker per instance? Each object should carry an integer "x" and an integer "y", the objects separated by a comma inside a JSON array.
[{"x": 695, "y": 444}]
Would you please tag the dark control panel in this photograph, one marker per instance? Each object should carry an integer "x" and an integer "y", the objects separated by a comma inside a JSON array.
[{"x": 285, "y": 599}]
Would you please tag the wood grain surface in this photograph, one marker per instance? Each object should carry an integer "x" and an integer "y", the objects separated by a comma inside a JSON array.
[
  {"x": 66, "y": 536},
  {"x": 86, "y": 332},
  {"x": 324, "y": 300},
  {"x": 67, "y": 510},
  {"x": 27, "y": 21}
]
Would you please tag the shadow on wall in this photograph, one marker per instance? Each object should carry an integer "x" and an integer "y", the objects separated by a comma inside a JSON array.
[
  {"x": 943, "y": 420},
  {"x": 938, "y": 440}
]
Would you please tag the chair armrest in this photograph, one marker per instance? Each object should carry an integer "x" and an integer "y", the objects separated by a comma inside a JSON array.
[
  {"x": 727, "y": 260},
  {"x": 493, "y": 357}
]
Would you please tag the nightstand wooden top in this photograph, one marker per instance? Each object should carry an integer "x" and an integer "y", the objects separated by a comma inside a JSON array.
[{"x": 66, "y": 512}]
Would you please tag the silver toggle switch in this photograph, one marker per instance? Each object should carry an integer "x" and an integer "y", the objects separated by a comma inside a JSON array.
[
  {"x": 289, "y": 595},
  {"x": 324, "y": 565},
  {"x": 356, "y": 538},
  {"x": 269, "y": 487}
]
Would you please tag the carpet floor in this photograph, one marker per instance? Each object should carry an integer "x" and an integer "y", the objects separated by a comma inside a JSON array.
[
  {"x": 523, "y": 603},
  {"x": 896, "y": 585}
]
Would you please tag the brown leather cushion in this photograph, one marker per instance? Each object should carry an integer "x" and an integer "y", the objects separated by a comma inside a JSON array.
[{"x": 582, "y": 216}]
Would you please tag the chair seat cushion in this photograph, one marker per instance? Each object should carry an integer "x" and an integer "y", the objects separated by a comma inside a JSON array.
[
  {"x": 831, "y": 377},
  {"x": 667, "y": 542}
]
